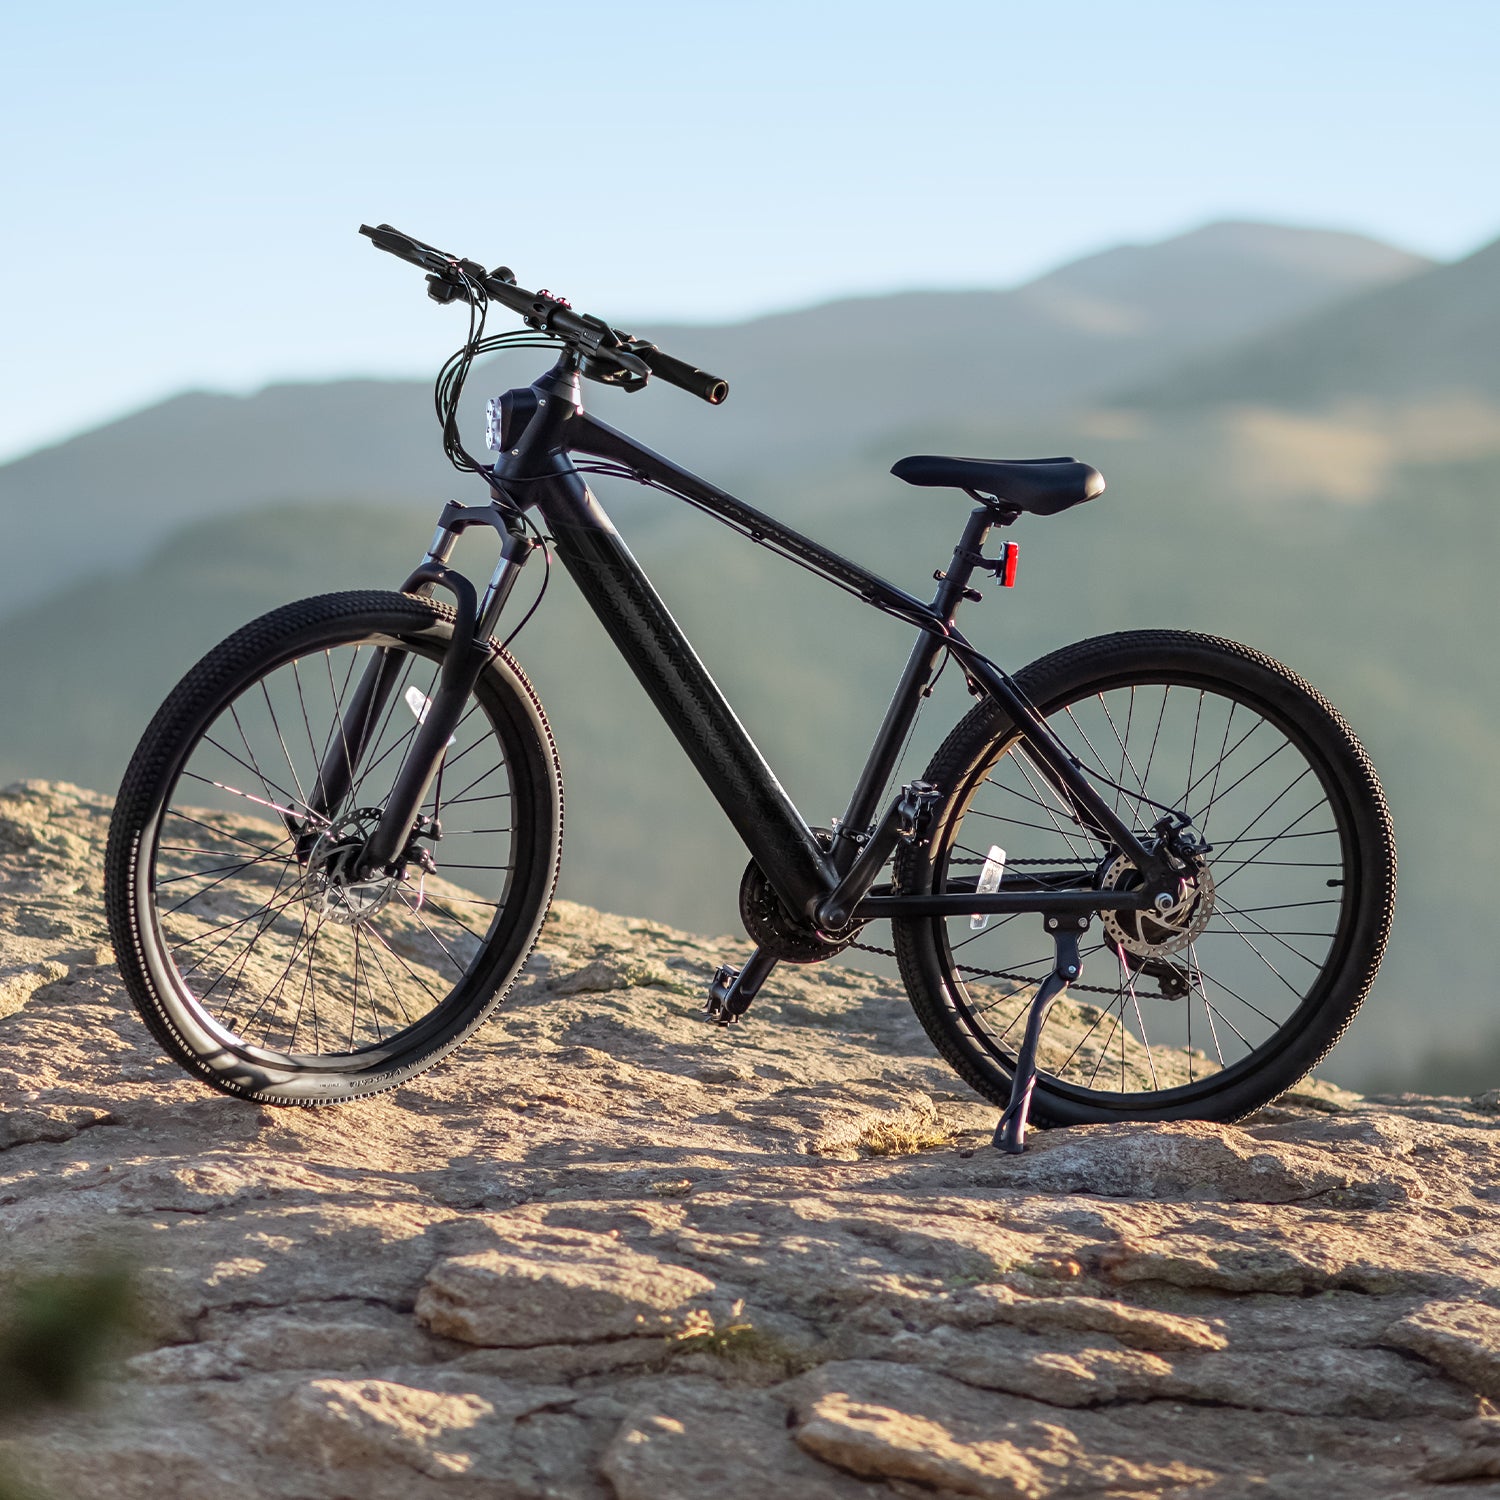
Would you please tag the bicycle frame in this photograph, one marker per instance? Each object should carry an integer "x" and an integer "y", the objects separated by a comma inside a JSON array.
[{"x": 537, "y": 472}]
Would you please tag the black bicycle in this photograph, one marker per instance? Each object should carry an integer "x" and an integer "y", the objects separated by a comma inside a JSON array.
[{"x": 335, "y": 844}]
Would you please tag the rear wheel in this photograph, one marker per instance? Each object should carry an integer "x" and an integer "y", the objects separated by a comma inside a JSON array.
[
  {"x": 250, "y": 951},
  {"x": 1214, "y": 1008}
]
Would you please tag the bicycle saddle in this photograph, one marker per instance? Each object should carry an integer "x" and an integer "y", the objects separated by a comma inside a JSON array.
[{"x": 1042, "y": 486}]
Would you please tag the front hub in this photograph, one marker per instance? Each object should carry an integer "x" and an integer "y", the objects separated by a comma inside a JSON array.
[{"x": 331, "y": 885}]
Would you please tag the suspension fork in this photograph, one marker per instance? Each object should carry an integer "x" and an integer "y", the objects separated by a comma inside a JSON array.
[
  {"x": 467, "y": 657},
  {"x": 346, "y": 749}
]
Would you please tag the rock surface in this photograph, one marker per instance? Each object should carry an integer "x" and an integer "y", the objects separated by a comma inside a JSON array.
[{"x": 605, "y": 1250}]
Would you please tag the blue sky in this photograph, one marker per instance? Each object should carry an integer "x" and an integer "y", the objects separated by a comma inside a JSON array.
[{"x": 180, "y": 184}]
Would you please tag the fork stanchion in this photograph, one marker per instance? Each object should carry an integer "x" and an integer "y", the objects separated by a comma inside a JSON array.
[{"x": 1066, "y": 928}]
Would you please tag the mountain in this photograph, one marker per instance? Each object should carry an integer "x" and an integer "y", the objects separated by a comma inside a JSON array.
[
  {"x": 1373, "y": 603},
  {"x": 1353, "y": 539},
  {"x": 809, "y": 388},
  {"x": 106, "y": 497},
  {"x": 1432, "y": 335},
  {"x": 840, "y": 376}
]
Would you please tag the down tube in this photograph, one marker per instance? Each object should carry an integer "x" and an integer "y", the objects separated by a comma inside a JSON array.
[{"x": 689, "y": 700}]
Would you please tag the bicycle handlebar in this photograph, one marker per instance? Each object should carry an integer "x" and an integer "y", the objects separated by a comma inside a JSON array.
[
  {"x": 543, "y": 311},
  {"x": 684, "y": 376}
]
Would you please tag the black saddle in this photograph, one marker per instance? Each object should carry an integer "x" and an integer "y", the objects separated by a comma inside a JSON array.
[{"x": 1043, "y": 486}]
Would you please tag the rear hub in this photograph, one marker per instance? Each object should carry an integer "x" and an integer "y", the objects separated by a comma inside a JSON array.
[{"x": 1165, "y": 928}]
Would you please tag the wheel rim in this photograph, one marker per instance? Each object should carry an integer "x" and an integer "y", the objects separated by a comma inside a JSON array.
[
  {"x": 265, "y": 950},
  {"x": 1143, "y": 1030}
]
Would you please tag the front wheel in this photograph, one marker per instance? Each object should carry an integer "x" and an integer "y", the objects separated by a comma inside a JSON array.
[
  {"x": 1221, "y": 1004},
  {"x": 253, "y": 955}
]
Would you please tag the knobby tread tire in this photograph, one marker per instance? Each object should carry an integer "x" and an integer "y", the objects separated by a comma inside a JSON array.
[
  {"x": 162, "y": 751},
  {"x": 1058, "y": 677}
]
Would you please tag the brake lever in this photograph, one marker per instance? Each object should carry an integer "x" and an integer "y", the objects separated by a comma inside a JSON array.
[
  {"x": 616, "y": 367},
  {"x": 446, "y": 289}
]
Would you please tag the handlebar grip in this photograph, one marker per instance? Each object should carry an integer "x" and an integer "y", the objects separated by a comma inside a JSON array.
[
  {"x": 404, "y": 247},
  {"x": 686, "y": 377}
]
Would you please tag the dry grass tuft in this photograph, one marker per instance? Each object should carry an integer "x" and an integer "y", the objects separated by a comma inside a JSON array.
[
  {"x": 701, "y": 1334},
  {"x": 757, "y": 1355},
  {"x": 913, "y": 1127}
]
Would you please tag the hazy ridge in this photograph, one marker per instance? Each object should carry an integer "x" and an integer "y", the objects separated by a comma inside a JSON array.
[{"x": 1348, "y": 529}]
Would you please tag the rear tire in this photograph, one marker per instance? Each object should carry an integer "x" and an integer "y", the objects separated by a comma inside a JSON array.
[
  {"x": 1282, "y": 961},
  {"x": 230, "y": 970}
]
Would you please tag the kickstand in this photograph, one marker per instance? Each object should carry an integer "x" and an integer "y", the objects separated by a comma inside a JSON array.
[
  {"x": 732, "y": 990},
  {"x": 1066, "y": 928}
]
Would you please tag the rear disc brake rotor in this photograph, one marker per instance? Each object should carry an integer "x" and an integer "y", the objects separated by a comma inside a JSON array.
[{"x": 1153, "y": 933}]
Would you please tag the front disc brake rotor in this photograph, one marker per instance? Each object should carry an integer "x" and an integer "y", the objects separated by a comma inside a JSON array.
[{"x": 329, "y": 889}]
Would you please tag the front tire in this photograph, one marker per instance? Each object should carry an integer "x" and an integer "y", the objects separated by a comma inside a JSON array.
[{"x": 253, "y": 967}]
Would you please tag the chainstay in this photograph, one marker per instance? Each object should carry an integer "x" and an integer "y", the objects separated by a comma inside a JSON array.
[{"x": 974, "y": 973}]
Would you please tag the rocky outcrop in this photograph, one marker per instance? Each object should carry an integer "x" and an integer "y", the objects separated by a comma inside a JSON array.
[{"x": 608, "y": 1251}]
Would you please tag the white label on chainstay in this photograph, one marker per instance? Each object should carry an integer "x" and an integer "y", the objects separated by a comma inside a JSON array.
[{"x": 989, "y": 882}]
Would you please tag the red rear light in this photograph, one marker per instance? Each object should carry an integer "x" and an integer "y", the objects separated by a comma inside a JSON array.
[{"x": 1008, "y": 571}]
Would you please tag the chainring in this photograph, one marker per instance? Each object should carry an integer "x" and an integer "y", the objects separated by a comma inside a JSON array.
[{"x": 784, "y": 935}]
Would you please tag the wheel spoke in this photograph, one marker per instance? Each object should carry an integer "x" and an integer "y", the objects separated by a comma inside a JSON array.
[
  {"x": 1169, "y": 1024},
  {"x": 1021, "y": 763},
  {"x": 172, "y": 812},
  {"x": 447, "y": 952},
  {"x": 212, "y": 885},
  {"x": 1255, "y": 859},
  {"x": 267, "y": 932},
  {"x": 1201, "y": 816},
  {"x": 1208, "y": 1010},
  {"x": 1278, "y": 937}
]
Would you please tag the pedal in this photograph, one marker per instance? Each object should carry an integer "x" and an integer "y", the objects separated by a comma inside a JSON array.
[
  {"x": 915, "y": 809},
  {"x": 731, "y": 990},
  {"x": 716, "y": 1009}
]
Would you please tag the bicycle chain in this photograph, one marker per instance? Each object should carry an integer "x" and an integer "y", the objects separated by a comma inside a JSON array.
[{"x": 973, "y": 973}]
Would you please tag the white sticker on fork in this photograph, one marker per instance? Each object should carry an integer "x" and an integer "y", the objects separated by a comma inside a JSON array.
[
  {"x": 420, "y": 704},
  {"x": 989, "y": 882}
]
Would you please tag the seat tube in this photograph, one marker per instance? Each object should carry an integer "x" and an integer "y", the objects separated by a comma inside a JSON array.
[
  {"x": 900, "y": 714},
  {"x": 906, "y": 702}
]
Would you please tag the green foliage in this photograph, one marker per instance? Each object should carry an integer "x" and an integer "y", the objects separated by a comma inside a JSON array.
[{"x": 55, "y": 1334}]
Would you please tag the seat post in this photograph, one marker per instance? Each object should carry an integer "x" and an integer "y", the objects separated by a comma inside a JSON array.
[{"x": 953, "y": 583}]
